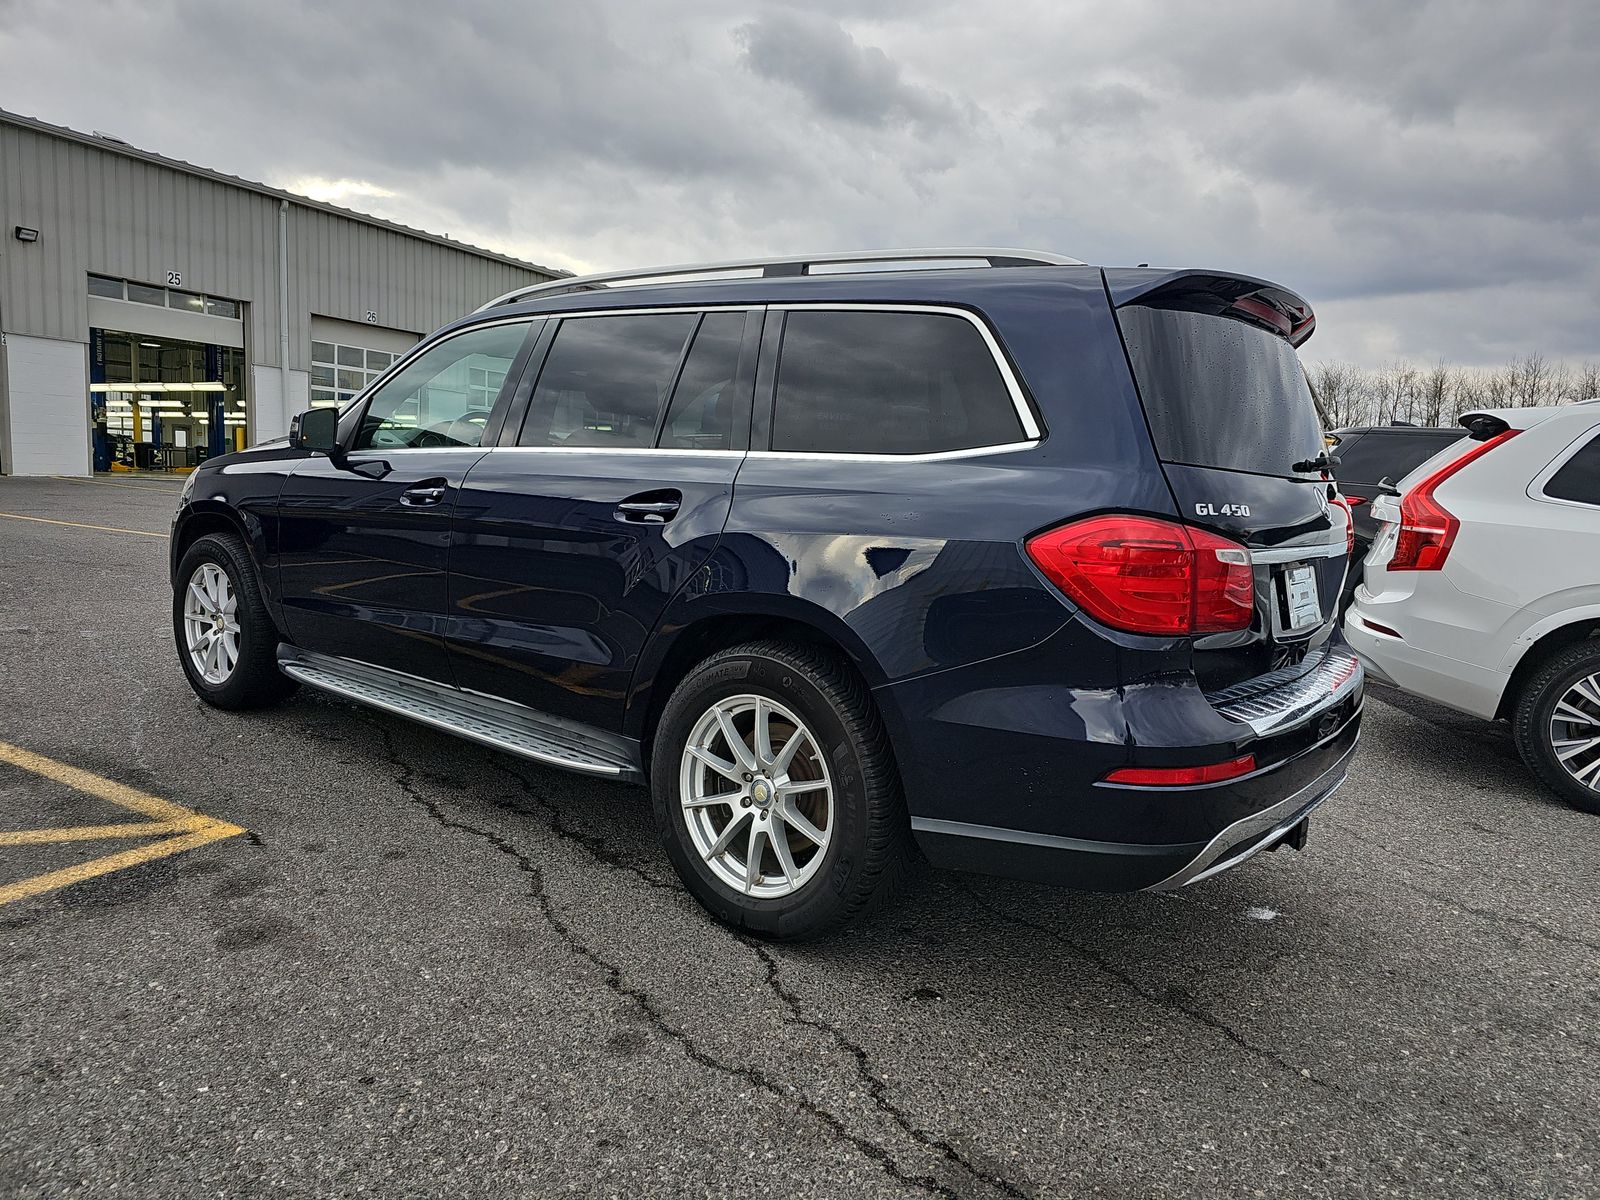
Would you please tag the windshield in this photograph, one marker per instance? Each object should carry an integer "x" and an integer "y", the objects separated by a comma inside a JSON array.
[{"x": 1221, "y": 392}]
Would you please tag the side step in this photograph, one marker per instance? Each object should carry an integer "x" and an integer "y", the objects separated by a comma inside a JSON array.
[{"x": 507, "y": 726}]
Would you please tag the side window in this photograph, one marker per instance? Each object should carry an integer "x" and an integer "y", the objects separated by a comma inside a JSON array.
[
  {"x": 606, "y": 379},
  {"x": 1392, "y": 455},
  {"x": 444, "y": 397},
  {"x": 888, "y": 383},
  {"x": 701, "y": 414},
  {"x": 1579, "y": 477}
]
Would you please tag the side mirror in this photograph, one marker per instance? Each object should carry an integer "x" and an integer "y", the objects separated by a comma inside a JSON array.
[{"x": 317, "y": 430}]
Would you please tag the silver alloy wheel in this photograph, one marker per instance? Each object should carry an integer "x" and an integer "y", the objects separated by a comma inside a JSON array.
[
  {"x": 211, "y": 623},
  {"x": 757, "y": 796},
  {"x": 1575, "y": 731}
]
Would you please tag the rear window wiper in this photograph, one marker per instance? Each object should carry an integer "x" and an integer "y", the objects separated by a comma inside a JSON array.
[{"x": 1321, "y": 462}]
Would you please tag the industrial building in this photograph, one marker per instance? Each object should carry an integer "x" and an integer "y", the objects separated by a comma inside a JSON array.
[{"x": 154, "y": 313}]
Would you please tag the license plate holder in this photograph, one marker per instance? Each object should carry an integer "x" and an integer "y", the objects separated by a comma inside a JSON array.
[{"x": 1302, "y": 607}]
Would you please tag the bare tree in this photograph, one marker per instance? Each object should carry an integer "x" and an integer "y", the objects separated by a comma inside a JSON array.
[
  {"x": 1399, "y": 391},
  {"x": 1435, "y": 389},
  {"x": 1586, "y": 383}
]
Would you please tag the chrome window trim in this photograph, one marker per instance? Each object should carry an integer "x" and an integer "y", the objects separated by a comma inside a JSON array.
[
  {"x": 850, "y": 456},
  {"x": 1031, "y": 429},
  {"x": 676, "y": 451},
  {"x": 1019, "y": 401}
]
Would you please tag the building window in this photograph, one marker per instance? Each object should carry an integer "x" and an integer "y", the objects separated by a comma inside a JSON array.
[
  {"x": 141, "y": 293},
  {"x": 161, "y": 297},
  {"x": 338, "y": 372}
]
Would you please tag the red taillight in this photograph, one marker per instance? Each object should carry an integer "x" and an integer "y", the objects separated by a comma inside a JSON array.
[
  {"x": 1427, "y": 528},
  {"x": 1145, "y": 575},
  {"x": 1352, "y": 501},
  {"x": 1348, "y": 504},
  {"x": 1178, "y": 776}
]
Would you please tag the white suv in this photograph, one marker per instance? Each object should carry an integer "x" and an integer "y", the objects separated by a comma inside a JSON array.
[{"x": 1482, "y": 588}]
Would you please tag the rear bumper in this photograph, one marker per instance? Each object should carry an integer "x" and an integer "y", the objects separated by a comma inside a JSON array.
[
  {"x": 1286, "y": 796},
  {"x": 1005, "y": 767},
  {"x": 1466, "y": 687}
]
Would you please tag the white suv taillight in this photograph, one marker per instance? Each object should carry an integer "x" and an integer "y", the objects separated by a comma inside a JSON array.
[{"x": 1428, "y": 529}]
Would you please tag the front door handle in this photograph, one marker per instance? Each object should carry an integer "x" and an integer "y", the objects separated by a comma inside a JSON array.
[
  {"x": 423, "y": 495},
  {"x": 650, "y": 508}
]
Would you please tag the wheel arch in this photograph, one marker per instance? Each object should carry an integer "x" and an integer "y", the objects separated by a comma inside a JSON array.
[
  {"x": 683, "y": 639},
  {"x": 1552, "y": 641}
]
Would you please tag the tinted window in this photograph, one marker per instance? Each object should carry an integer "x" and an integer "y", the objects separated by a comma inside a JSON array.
[
  {"x": 1579, "y": 477},
  {"x": 701, "y": 414},
  {"x": 1378, "y": 455},
  {"x": 888, "y": 383},
  {"x": 1219, "y": 392},
  {"x": 606, "y": 379},
  {"x": 444, "y": 396}
]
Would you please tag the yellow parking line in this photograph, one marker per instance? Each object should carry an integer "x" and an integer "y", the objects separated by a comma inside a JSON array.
[
  {"x": 80, "y": 780},
  {"x": 164, "y": 817},
  {"x": 81, "y": 525},
  {"x": 215, "y": 831},
  {"x": 90, "y": 833}
]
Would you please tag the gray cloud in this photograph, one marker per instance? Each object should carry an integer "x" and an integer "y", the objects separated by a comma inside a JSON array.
[
  {"x": 1424, "y": 173},
  {"x": 836, "y": 74}
]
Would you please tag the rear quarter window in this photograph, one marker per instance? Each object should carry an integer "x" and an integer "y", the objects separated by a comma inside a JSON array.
[
  {"x": 888, "y": 383},
  {"x": 1578, "y": 479}
]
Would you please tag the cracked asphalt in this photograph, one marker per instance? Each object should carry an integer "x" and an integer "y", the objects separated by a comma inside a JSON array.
[{"x": 432, "y": 970}]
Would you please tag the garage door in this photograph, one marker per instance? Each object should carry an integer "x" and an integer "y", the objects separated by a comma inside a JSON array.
[{"x": 346, "y": 356}]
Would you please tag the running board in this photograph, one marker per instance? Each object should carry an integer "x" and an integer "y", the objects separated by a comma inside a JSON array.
[{"x": 502, "y": 724}]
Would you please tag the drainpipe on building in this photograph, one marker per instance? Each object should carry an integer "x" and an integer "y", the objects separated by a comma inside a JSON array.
[{"x": 283, "y": 303}]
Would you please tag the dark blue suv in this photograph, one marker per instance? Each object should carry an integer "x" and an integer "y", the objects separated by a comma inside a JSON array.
[{"x": 1030, "y": 564}]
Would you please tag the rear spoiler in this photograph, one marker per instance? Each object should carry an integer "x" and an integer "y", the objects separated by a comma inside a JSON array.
[
  {"x": 1482, "y": 426},
  {"x": 1491, "y": 422},
  {"x": 1241, "y": 297}
]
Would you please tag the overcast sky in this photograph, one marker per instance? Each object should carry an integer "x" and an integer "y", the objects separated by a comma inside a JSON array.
[{"x": 1427, "y": 175}]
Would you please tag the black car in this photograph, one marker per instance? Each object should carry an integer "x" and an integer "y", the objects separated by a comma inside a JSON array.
[
  {"x": 1368, "y": 455},
  {"x": 1027, "y": 563}
]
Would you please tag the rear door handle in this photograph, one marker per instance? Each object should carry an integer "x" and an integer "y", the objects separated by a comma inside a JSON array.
[
  {"x": 423, "y": 495},
  {"x": 651, "y": 508}
]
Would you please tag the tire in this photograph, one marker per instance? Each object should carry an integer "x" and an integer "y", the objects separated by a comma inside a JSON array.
[
  {"x": 1569, "y": 678},
  {"x": 846, "y": 789},
  {"x": 252, "y": 678}
]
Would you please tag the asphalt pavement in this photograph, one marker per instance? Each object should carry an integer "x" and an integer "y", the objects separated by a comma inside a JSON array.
[{"x": 424, "y": 968}]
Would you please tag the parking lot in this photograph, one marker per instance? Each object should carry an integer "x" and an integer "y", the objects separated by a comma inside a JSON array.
[{"x": 388, "y": 962}]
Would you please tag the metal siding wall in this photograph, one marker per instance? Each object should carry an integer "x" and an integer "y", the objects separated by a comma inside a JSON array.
[
  {"x": 342, "y": 269},
  {"x": 103, "y": 212}
]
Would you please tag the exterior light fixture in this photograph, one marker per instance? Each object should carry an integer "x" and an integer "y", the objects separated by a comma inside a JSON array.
[{"x": 24, "y": 234}]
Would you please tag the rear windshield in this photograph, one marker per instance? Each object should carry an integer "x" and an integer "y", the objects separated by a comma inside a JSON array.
[
  {"x": 1220, "y": 392},
  {"x": 1371, "y": 457}
]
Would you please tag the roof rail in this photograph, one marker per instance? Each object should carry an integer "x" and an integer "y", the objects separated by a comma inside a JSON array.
[{"x": 799, "y": 265}]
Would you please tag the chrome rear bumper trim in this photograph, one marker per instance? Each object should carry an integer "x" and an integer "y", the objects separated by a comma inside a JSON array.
[
  {"x": 1267, "y": 705},
  {"x": 1221, "y": 852}
]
